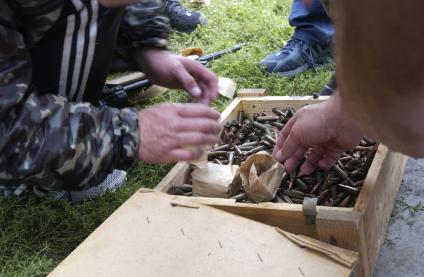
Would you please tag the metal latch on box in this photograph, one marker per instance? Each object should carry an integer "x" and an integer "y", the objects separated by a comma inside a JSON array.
[{"x": 310, "y": 209}]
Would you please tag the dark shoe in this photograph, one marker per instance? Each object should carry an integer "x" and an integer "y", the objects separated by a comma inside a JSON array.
[
  {"x": 182, "y": 19},
  {"x": 13, "y": 191},
  {"x": 296, "y": 57},
  {"x": 330, "y": 87}
]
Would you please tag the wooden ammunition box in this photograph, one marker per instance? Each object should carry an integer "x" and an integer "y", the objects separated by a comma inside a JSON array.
[{"x": 361, "y": 228}]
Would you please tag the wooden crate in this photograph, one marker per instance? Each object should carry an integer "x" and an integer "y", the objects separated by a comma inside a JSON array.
[{"x": 361, "y": 228}]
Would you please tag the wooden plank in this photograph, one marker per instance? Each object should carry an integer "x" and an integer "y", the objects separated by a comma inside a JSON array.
[
  {"x": 147, "y": 236},
  {"x": 251, "y": 92},
  {"x": 126, "y": 79},
  {"x": 253, "y": 105},
  {"x": 177, "y": 176},
  {"x": 231, "y": 112},
  {"x": 379, "y": 194}
]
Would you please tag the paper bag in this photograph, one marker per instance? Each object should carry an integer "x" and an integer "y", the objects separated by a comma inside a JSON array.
[
  {"x": 227, "y": 87},
  {"x": 215, "y": 180},
  {"x": 261, "y": 176}
]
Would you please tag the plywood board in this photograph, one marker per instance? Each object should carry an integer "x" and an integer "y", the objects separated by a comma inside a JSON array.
[{"x": 147, "y": 236}]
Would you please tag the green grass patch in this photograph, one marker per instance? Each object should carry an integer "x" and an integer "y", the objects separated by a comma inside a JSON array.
[{"x": 36, "y": 235}]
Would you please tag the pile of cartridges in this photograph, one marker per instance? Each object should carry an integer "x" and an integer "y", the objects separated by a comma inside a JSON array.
[
  {"x": 244, "y": 137},
  {"x": 337, "y": 187}
]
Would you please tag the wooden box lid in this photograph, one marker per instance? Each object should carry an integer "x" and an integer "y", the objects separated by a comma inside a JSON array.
[{"x": 155, "y": 234}]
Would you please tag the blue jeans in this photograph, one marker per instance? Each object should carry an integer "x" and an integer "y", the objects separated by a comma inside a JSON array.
[{"x": 312, "y": 23}]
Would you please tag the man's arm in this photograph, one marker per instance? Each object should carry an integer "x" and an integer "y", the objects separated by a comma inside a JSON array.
[
  {"x": 380, "y": 69},
  {"x": 143, "y": 26},
  {"x": 46, "y": 140}
]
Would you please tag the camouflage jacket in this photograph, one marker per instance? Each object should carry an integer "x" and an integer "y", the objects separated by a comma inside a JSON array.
[{"x": 50, "y": 133}]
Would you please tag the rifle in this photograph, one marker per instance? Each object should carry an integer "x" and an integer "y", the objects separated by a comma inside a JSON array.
[{"x": 117, "y": 95}]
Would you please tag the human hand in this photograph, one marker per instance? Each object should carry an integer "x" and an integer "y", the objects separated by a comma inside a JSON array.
[
  {"x": 172, "y": 71},
  {"x": 321, "y": 128},
  {"x": 176, "y": 132}
]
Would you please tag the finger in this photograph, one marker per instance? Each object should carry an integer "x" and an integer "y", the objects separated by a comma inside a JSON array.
[
  {"x": 203, "y": 125},
  {"x": 204, "y": 99},
  {"x": 290, "y": 146},
  {"x": 205, "y": 76},
  {"x": 293, "y": 162},
  {"x": 187, "y": 81},
  {"x": 281, "y": 138},
  {"x": 312, "y": 160},
  {"x": 197, "y": 110},
  {"x": 329, "y": 160},
  {"x": 194, "y": 138},
  {"x": 185, "y": 154}
]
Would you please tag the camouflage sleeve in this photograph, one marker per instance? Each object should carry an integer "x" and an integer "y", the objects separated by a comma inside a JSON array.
[
  {"x": 46, "y": 140},
  {"x": 143, "y": 24}
]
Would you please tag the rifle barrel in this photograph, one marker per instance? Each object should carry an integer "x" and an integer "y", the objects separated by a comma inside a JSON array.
[
  {"x": 137, "y": 85},
  {"x": 219, "y": 54}
]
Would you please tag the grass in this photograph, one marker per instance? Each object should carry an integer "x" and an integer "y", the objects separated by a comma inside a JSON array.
[{"x": 36, "y": 235}]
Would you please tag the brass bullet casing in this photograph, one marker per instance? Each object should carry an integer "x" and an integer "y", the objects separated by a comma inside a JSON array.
[
  {"x": 323, "y": 196},
  {"x": 240, "y": 196},
  {"x": 240, "y": 136},
  {"x": 268, "y": 118},
  {"x": 301, "y": 184},
  {"x": 253, "y": 143},
  {"x": 278, "y": 112},
  {"x": 297, "y": 200},
  {"x": 290, "y": 112},
  {"x": 348, "y": 189},
  {"x": 270, "y": 139},
  {"x": 217, "y": 161},
  {"x": 267, "y": 144},
  {"x": 247, "y": 123},
  {"x": 237, "y": 150},
  {"x": 240, "y": 118},
  {"x": 246, "y": 148},
  {"x": 216, "y": 154},
  {"x": 254, "y": 150},
  {"x": 294, "y": 193},
  {"x": 230, "y": 158},
  {"x": 233, "y": 129},
  {"x": 278, "y": 125},
  {"x": 358, "y": 183},
  {"x": 346, "y": 201},
  {"x": 223, "y": 147},
  {"x": 260, "y": 126}
]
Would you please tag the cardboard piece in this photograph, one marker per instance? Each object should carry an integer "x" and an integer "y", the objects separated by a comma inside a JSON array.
[
  {"x": 147, "y": 236},
  {"x": 216, "y": 180},
  {"x": 227, "y": 87},
  {"x": 261, "y": 176}
]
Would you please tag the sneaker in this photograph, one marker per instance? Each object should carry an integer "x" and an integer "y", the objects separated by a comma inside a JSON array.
[
  {"x": 296, "y": 57},
  {"x": 113, "y": 181},
  {"x": 182, "y": 19},
  {"x": 330, "y": 87},
  {"x": 13, "y": 191}
]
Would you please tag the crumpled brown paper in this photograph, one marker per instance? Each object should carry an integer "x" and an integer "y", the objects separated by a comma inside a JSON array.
[
  {"x": 215, "y": 180},
  {"x": 261, "y": 176}
]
